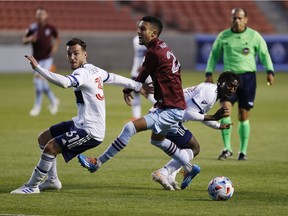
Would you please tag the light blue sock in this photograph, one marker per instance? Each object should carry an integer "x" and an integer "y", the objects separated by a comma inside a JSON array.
[
  {"x": 173, "y": 151},
  {"x": 119, "y": 143}
]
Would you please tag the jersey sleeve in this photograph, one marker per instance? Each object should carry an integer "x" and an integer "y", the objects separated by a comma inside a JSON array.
[
  {"x": 215, "y": 54},
  {"x": 57, "y": 79},
  {"x": 199, "y": 102},
  {"x": 118, "y": 80},
  {"x": 264, "y": 55},
  {"x": 212, "y": 124},
  {"x": 149, "y": 64}
]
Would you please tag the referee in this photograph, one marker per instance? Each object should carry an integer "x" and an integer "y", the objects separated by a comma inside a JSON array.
[{"x": 239, "y": 46}]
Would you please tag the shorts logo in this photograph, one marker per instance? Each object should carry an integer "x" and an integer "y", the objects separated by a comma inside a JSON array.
[{"x": 245, "y": 51}]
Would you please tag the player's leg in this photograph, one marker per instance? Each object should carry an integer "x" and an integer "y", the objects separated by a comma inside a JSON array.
[
  {"x": 246, "y": 95},
  {"x": 52, "y": 181},
  {"x": 129, "y": 129},
  {"x": 38, "y": 96},
  {"x": 167, "y": 121},
  {"x": 166, "y": 175},
  {"x": 243, "y": 132},
  {"x": 54, "y": 102},
  {"x": 187, "y": 142},
  {"x": 40, "y": 172},
  {"x": 226, "y": 135}
]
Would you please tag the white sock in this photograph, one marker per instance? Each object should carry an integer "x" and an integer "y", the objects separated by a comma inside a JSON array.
[
  {"x": 172, "y": 176},
  {"x": 52, "y": 173},
  {"x": 40, "y": 172},
  {"x": 173, "y": 151},
  {"x": 173, "y": 165}
]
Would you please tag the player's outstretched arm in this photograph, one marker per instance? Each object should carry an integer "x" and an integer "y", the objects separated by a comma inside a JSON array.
[{"x": 54, "y": 78}]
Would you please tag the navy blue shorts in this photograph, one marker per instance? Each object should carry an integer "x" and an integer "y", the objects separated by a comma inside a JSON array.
[
  {"x": 72, "y": 140},
  {"x": 181, "y": 138},
  {"x": 245, "y": 94}
]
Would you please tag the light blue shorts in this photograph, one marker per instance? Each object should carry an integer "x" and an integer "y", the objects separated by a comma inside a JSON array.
[
  {"x": 162, "y": 121},
  {"x": 40, "y": 83}
]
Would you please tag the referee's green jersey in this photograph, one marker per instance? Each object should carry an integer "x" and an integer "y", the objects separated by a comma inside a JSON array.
[{"x": 239, "y": 51}]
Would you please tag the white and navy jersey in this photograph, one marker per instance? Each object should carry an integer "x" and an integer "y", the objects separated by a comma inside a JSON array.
[
  {"x": 139, "y": 53},
  {"x": 87, "y": 81},
  {"x": 88, "y": 88},
  {"x": 199, "y": 99}
]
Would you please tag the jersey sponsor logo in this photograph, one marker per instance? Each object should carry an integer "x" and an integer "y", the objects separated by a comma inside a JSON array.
[
  {"x": 204, "y": 102},
  {"x": 78, "y": 142},
  {"x": 246, "y": 51}
]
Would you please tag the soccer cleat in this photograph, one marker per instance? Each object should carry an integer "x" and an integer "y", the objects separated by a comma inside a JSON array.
[
  {"x": 26, "y": 190},
  {"x": 225, "y": 154},
  {"x": 242, "y": 156},
  {"x": 157, "y": 176},
  {"x": 188, "y": 177},
  {"x": 50, "y": 184},
  {"x": 35, "y": 111},
  {"x": 90, "y": 163},
  {"x": 173, "y": 183}
]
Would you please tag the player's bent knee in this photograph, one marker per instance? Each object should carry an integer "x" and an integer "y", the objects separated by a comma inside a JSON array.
[
  {"x": 52, "y": 148},
  {"x": 44, "y": 138},
  {"x": 194, "y": 146}
]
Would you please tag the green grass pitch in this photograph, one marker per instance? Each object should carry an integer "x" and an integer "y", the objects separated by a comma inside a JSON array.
[{"x": 123, "y": 186}]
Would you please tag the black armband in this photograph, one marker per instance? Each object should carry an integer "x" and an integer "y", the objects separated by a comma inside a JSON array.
[
  {"x": 208, "y": 74},
  {"x": 270, "y": 72}
]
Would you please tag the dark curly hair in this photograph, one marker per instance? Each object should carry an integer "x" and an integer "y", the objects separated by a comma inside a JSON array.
[{"x": 228, "y": 78}]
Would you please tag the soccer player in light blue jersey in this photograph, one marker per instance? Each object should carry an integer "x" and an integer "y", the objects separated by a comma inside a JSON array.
[{"x": 239, "y": 46}]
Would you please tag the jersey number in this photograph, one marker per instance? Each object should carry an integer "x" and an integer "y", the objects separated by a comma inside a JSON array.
[
  {"x": 100, "y": 86},
  {"x": 176, "y": 64},
  {"x": 72, "y": 136}
]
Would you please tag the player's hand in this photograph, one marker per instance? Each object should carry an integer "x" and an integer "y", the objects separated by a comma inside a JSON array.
[
  {"x": 33, "y": 38},
  {"x": 33, "y": 61},
  {"x": 225, "y": 126},
  {"x": 222, "y": 112},
  {"x": 270, "y": 79},
  {"x": 128, "y": 98},
  {"x": 147, "y": 89}
]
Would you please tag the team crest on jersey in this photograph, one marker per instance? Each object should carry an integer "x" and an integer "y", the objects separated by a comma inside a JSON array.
[
  {"x": 47, "y": 32},
  {"x": 246, "y": 51},
  {"x": 163, "y": 45}
]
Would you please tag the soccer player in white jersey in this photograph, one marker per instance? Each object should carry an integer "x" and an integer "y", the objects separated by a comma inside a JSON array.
[
  {"x": 199, "y": 99},
  {"x": 87, "y": 129},
  {"x": 139, "y": 53}
]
